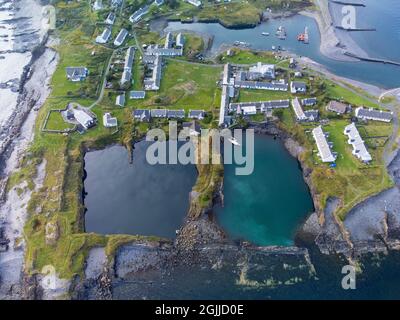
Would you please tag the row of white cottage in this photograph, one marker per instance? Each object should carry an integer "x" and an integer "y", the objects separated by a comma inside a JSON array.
[{"x": 354, "y": 139}]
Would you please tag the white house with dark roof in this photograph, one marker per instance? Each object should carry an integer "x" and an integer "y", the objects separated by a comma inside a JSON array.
[
  {"x": 298, "y": 87},
  {"x": 197, "y": 114},
  {"x": 153, "y": 83},
  {"x": 176, "y": 114},
  {"x": 324, "y": 149},
  {"x": 76, "y": 74},
  {"x": 373, "y": 114},
  {"x": 120, "y": 100},
  {"x": 109, "y": 121},
  {"x": 127, "y": 72},
  {"x": 137, "y": 15},
  {"x": 262, "y": 106},
  {"x": 104, "y": 37},
  {"x": 158, "y": 113},
  {"x": 298, "y": 110},
  {"x": 142, "y": 115},
  {"x": 308, "y": 102},
  {"x": 97, "y": 5},
  {"x": 169, "y": 40},
  {"x": 110, "y": 18},
  {"x": 180, "y": 40},
  {"x": 120, "y": 37},
  {"x": 137, "y": 95}
]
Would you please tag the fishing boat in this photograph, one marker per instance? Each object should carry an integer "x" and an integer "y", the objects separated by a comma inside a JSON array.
[
  {"x": 265, "y": 33},
  {"x": 303, "y": 37},
  {"x": 281, "y": 33},
  {"x": 234, "y": 141}
]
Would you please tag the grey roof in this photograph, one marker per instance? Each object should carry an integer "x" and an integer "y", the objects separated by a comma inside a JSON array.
[
  {"x": 196, "y": 114},
  {"x": 374, "y": 114},
  {"x": 159, "y": 113},
  {"x": 148, "y": 58},
  {"x": 153, "y": 83},
  {"x": 142, "y": 114},
  {"x": 309, "y": 101},
  {"x": 137, "y": 94},
  {"x": 120, "y": 100},
  {"x": 176, "y": 113},
  {"x": 298, "y": 86},
  {"x": 261, "y": 85},
  {"x": 169, "y": 39},
  {"x": 76, "y": 72},
  {"x": 110, "y": 18},
  {"x": 156, "y": 51},
  {"x": 106, "y": 34},
  {"x": 129, "y": 58},
  {"x": 120, "y": 37},
  {"x": 312, "y": 115},
  {"x": 194, "y": 125},
  {"x": 355, "y": 140},
  {"x": 261, "y": 105},
  {"x": 338, "y": 107},
  {"x": 180, "y": 40},
  {"x": 137, "y": 15}
]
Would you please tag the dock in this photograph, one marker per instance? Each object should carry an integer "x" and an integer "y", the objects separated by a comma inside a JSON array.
[
  {"x": 355, "y": 4},
  {"x": 352, "y": 55}
]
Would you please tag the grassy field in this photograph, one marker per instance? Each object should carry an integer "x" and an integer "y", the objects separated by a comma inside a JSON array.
[
  {"x": 240, "y": 56},
  {"x": 184, "y": 86}
]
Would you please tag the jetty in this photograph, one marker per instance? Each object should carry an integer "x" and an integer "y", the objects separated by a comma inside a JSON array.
[
  {"x": 355, "y": 4},
  {"x": 355, "y": 29},
  {"x": 384, "y": 61}
]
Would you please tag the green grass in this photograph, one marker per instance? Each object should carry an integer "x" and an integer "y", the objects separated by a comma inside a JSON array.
[
  {"x": 240, "y": 56},
  {"x": 56, "y": 122},
  {"x": 184, "y": 86}
]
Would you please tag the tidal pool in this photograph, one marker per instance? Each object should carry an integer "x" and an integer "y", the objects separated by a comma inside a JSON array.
[{"x": 135, "y": 198}]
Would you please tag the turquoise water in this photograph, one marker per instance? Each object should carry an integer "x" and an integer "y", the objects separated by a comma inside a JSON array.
[
  {"x": 384, "y": 43},
  {"x": 267, "y": 206}
]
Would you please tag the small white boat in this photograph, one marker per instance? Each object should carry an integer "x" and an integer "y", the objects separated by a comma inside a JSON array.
[
  {"x": 265, "y": 33},
  {"x": 273, "y": 48},
  {"x": 234, "y": 141}
]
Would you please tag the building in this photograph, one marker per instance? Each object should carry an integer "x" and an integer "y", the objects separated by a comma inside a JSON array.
[
  {"x": 155, "y": 50},
  {"x": 110, "y": 18},
  {"x": 176, "y": 114},
  {"x": 272, "y": 86},
  {"x": 142, "y": 115},
  {"x": 76, "y": 74},
  {"x": 197, "y": 114},
  {"x": 104, "y": 37},
  {"x": 137, "y": 95},
  {"x": 120, "y": 100},
  {"x": 158, "y": 113},
  {"x": 324, "y": 150},
  {"x": 84, "y": 119},
  {"x": 261, "y": 71},
  {"x": 312, "y": 115},
  {"x": 248, "y": 110},
  {"x": 116, "y": 3},
  {"x": 337, "y": 107},
  {"x": 359, "y": 149},
  {"x": 128, "y": 64},
  {"x": 137, "y": 15},
  {"x": 262, "y": 106},
  {"x": 298, "y": 87},
  {"x": 97, "y": 5},
  {"x": 193, "y": 127},
  {"x": 180, "y": 41},
  {"x": 153, "y": 83},
  {"x": 196, "y": 3},
  {"x": 298, "y": 110},
  {"x": 169, "y": 40},
  {"x": 109, "y": 121},
  {"x": 373, "y": 114},
  {"x": 120, "y": 37},
  {"x": 308, "y": 102}
]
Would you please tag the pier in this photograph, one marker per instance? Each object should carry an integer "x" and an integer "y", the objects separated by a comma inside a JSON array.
[
  {"x": 352, "y": 55},
  {"x": 355, "y": 29},
  {"x": 355, "y": 4}
]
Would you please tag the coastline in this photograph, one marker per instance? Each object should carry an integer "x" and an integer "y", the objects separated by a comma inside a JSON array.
[{"x": 19, "y": 129}]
